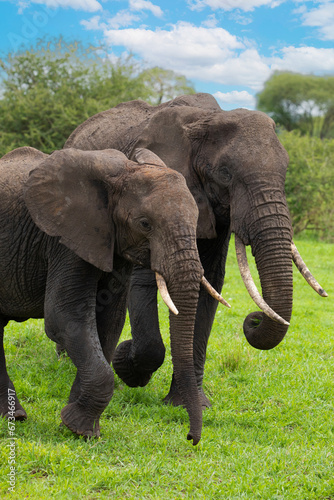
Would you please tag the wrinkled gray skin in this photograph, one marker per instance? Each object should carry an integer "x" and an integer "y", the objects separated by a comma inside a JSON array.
[
  {"x": 235, "y": 168},
  {"x": 72, "y": 226}
]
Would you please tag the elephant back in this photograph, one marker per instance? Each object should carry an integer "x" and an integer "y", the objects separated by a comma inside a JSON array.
[
  {"x": 111, "y": 129},
  {"x": 120, "y": 127},
  {"x": 16, "y": 165}
]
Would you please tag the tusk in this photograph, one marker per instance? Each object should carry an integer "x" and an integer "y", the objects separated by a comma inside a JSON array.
[
  {"x": 305, "y": 272},
  {"x": 164, "y": 293},
  {"x": 250, "y": 285},
  {"x": 209, "y": 288}
]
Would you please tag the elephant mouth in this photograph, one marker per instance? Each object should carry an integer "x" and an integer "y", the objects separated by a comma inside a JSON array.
[{"x": 139, "y": 257}]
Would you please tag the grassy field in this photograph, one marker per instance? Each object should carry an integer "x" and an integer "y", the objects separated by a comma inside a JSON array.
[{"x": 269, "y": 434}]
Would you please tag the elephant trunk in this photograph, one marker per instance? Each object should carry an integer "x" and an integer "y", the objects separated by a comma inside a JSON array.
[
  {"x": 184, "y": 289},
  {"x": 274, "y": 263}
]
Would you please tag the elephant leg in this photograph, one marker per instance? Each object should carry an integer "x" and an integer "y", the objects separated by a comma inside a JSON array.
[
  {"x": 137, "y": 359},
  {"x": 9, "y": 403},
  {"x": 70, "y": 320},
  {"x": 213, "y": 255},
  {"x": 111, "y": 303}
]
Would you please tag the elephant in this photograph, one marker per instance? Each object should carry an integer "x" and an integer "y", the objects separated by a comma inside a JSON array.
[
  {"x": 235, "y": 168},
  {"x": 73, "y": 225}
]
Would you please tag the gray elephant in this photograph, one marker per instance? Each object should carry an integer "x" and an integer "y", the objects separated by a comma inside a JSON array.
[
  {"x": 235, "y": 168},
  {"x": 72, "y": 226}
]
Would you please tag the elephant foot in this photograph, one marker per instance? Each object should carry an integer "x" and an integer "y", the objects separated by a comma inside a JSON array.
[
  {"x": 75, "y": 418},
  {"x": 174, "y": 397},
  {"x": 7, "y": 410},
  {"x": 132, "y": 374},
  {"x": 19, "y": 414}
]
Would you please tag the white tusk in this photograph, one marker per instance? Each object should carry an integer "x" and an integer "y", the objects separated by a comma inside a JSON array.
[
  {"x": 164, "y": 293},
  {"x": 250, "y": 285},
  {"x": 209, "y": 288},
  {"x": 305, "y": 272}
]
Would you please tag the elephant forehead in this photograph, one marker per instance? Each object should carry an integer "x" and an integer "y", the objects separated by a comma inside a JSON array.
[
  {"x": 239, "y": 132},
  {"x": 251, "y": 135},
  {"x": 177, "y": 208},
  {"x": 161, "y": 193}
]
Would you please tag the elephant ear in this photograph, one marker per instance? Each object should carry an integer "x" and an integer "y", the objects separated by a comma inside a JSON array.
[
  {"x": 144, "y": 156},
  {"x": 167, "y": 135},
  {"x": 67, "y": 196}
]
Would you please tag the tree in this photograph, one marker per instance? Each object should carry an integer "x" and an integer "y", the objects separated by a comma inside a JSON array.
[
  {"x": 48, "y": 90},
  {"x": 303, "y": 102},
  {"x": 165, "y": 84}
]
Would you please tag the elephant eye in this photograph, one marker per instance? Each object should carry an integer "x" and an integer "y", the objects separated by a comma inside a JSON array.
[
  {"x": 225, "y": 174},
  {"x": 144, "y": 224}
]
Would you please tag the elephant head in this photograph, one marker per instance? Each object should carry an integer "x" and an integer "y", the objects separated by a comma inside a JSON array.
[
  {"x": 103, "y": 205},
  {"x": 235, "y": 168}
]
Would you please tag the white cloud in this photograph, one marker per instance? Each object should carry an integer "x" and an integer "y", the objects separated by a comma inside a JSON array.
[
  {"x": 236, "y": 98},
  {"x": 239, "y": 18},
  {"x": 123, "y": 18},
  {"x": 247, "y": 69},
  {"x": 139, "y": 5},
  {"x": 93, "y": 23},
  {"x": 321, "y": 18},
  {"x": 85, "y": 5},
  {"x": 210, "y": 22},
  {"x": 207, "y": 54},
  {"x": 120, "y": 20},
  {"x": 246, "y": 5},
  {"x": 184, "y": 46},
  {"x": 212, "y": 54},
  {"x": 305, "y": 60}
]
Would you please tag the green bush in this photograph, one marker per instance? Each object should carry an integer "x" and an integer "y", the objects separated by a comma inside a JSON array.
[
  {"x": 310, "y": 184},
  {"x": 48, "y": 90}
]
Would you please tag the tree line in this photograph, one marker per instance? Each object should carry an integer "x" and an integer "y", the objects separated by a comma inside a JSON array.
[
  {"x": 48, "y": 90},
  {"x": 303, "y": 109},
  {"x": 300, "y": 102}
]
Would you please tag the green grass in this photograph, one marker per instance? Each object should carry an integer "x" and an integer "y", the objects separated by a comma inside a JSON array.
[{"x": 269, "y": 434}]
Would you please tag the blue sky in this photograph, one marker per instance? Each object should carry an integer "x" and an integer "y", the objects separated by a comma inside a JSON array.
[{"x": 228, "y": 48}]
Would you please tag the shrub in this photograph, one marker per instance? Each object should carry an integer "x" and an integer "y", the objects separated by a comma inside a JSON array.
[{"x": 310, "y": 184}]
